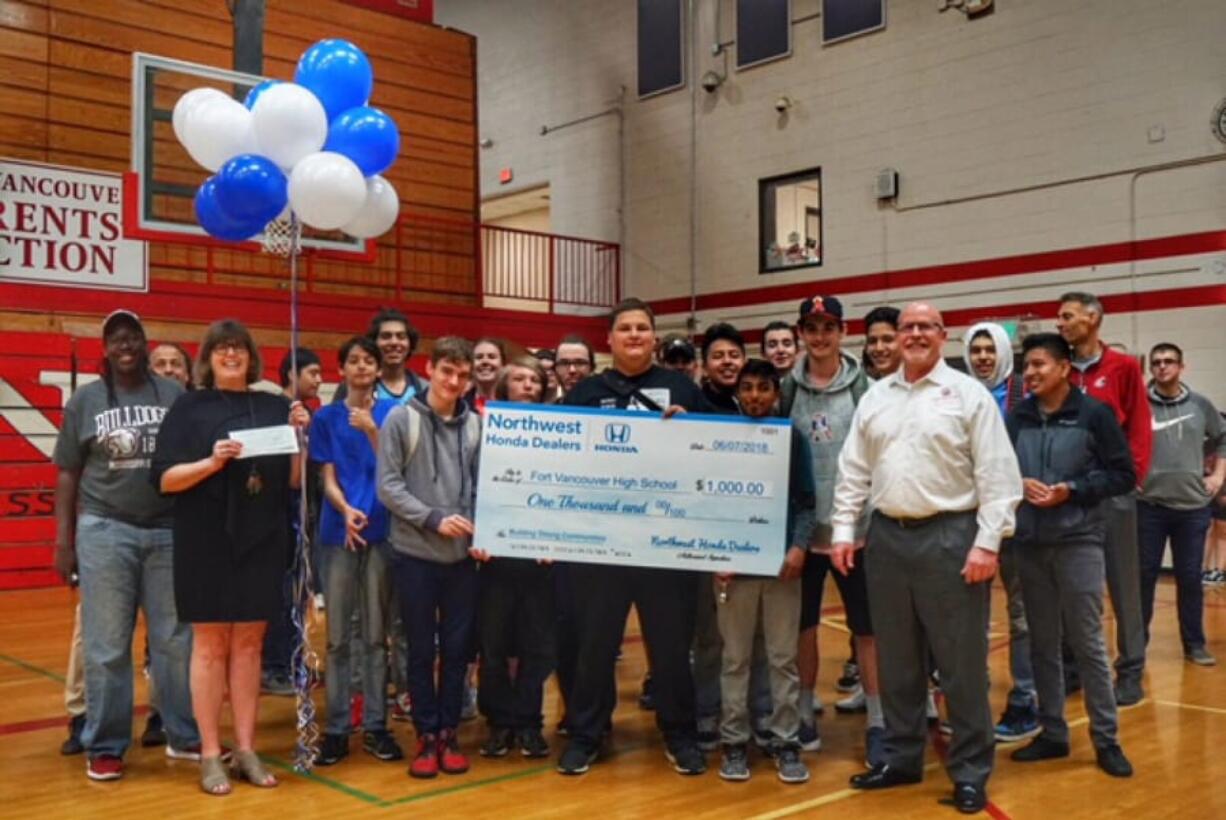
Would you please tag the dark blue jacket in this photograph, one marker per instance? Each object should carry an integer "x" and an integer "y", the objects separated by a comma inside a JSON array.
[{"x": 1081, "y": 445}]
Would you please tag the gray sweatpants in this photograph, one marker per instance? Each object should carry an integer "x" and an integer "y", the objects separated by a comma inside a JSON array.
[
  {"x": 919, "y": 599},
  {"x": 1063, "y": 588},
  {"x": 775, "y": 604}
]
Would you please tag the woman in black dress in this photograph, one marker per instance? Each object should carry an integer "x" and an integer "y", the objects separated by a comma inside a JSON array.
[{"x": 232, "y": 537}]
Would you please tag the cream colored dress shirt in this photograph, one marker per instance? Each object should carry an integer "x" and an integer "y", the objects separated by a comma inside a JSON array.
[{"x": 916, "y": 450}]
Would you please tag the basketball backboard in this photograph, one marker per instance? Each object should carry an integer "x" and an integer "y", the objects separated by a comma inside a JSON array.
[{"x": 163, "y": 179}]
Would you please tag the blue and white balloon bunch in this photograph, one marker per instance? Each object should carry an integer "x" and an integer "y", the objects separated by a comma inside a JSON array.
[{"x": 315, "y": 145}]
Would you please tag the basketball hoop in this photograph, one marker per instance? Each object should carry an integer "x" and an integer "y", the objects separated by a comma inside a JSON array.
[{"x": 281, "y": 237}]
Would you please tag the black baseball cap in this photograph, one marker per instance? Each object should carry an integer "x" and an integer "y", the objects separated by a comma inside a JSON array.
[
  {"x": 118, "y": 317},
  {"x": 677, "y": 348},
  {"x": 827, "y": 306}
]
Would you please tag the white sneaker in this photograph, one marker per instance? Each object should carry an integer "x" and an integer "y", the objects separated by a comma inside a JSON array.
[
  {"x": 853, "y": 703},
  {"x": 319, "y": 601}
]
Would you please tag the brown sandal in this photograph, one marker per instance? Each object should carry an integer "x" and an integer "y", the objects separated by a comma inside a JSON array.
[
  {"x": 213, "y": 778},
  {"x": 248, "y": 766}
]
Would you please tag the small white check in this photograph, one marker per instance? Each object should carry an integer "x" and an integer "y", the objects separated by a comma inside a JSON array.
[{"x": 277, "y": 440}]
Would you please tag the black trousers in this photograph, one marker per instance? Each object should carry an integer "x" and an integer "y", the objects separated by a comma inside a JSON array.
[
  {"x": 666, "y": 604},
  {"x": 516, "y": 621}
]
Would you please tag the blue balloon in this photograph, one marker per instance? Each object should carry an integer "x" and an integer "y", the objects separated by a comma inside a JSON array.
[
  {"x": 254, "y": 93},
  {"x": 251, "y": 188},
  {"x": 217, "y": 222},
  {"x": 367, "y": 136},
  {"x": 338, "y": 73}
]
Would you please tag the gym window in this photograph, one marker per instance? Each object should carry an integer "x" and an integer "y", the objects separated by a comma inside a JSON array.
[{"x": 790, "y": 221}]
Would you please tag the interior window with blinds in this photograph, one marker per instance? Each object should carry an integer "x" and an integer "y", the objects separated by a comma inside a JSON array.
[{"x": 790, "y": 221}]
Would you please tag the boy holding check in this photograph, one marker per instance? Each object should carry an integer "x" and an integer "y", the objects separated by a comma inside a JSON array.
[{"x": 775, "y": 602}]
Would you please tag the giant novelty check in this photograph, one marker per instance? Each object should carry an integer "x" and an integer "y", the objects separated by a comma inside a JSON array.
[{"x": 622, "y": 487}]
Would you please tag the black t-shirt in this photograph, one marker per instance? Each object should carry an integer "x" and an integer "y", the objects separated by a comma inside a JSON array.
[
  {"x": 723, "y": 401},
  {"x": 653, "y": 391}
]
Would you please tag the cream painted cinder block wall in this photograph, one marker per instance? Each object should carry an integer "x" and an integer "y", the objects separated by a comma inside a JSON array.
[{"x": 1044, "y": 126}]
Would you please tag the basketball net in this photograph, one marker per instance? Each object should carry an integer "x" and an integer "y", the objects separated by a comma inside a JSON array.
[{"x": 282, "y": 236}]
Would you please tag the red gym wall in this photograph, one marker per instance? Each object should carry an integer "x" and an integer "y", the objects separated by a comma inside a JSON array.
[{"x": 65, "y": 68}]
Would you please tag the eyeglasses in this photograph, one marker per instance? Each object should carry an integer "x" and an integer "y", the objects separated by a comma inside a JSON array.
[
  {"x": 1165, "y": 363},
  {"x": 921, "y": 327},
  {"x": 230, "y": 347},
  {"x": 572, "y": 364}
]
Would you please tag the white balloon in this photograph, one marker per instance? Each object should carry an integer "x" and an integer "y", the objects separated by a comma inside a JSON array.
[
  {"x": 290, "y": 123},
  {"x": 188, "y": 103},
  {"x": 379, "y": 211},
  {"x": 218, "y": 130},
  {"x": 326, "y": 190}
]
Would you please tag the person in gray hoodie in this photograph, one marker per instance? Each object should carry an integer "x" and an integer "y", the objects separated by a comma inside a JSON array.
[
  {"x": 427, "y": 478},
  {"x": 1174, "y": 500},
  {"x": 820, "y": 396}
]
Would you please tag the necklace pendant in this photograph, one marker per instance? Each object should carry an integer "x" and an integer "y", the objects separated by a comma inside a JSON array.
[{"x": 255, "y": 484}]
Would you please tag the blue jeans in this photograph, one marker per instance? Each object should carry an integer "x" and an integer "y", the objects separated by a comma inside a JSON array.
[
  {"x": 438, "y": 602},
  {"x": 357, "y": 582},
  {"x": 1186, "y": 530},
  {"x": 123, "y": 568}
]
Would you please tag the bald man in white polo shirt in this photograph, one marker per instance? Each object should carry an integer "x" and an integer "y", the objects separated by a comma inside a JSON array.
[{"x": 929, "y": 453}]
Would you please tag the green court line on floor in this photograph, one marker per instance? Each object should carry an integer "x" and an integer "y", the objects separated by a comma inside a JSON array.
[
  {"x": 29, "y": 667},
  {"x": 382, "y": 803},
  {"x": 328, "y": 782},
  {"x": 463, "y": 787}
]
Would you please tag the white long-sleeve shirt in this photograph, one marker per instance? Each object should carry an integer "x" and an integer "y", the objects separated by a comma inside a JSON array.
[{"x": 916, "y": 450}]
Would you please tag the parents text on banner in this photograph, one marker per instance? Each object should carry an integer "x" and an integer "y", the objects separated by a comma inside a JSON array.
[
  {"x": 618, "y": 487},
  {"x": 64, "y": 226}
]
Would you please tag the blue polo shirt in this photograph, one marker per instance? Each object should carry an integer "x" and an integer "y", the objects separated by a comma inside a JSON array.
[{"x": 349, "y": 451}]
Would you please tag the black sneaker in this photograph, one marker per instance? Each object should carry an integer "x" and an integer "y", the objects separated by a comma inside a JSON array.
[
  {"x": 1128, "y": 691},
  {"x": 72, "y": 744},
  {"x": 686, "y": 758},
  {"x": 334, "y": 749},
  {"x": 276, "y": 683},
  {"x": 575, "y": 759},
  {"x": 1040, "y": 749},
  {"x": 1112, "y": 761},
  {"x": 498, "y": 743},
  {"x": 647, "y": 698},
  {"x": 382, "y": 745},
  {"x": 850, "y": 678},
  {"x": 154, "y": 734},
  {"x": 532, "y": 743}
]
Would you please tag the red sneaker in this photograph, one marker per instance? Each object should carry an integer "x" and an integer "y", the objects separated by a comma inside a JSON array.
[
  {"x": 450, "y": 759},
  {"x": 425, "y": 761},
  {"x": 104, "y": 767}
]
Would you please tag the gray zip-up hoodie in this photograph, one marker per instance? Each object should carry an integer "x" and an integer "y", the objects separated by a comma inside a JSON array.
[
  {"x": 440, "y": 479},
  {"x": 824, "y": 414},
  {"x": 1186, "y": 429}
]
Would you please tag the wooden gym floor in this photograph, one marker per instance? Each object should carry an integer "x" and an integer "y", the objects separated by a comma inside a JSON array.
[{"x": 1175, "y": 739}]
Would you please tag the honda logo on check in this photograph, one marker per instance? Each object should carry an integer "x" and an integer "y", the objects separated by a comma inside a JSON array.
[{"x": 617, "y": 433}]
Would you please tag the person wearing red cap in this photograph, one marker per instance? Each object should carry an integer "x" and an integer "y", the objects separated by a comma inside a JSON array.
[{"x": 114, "y": 530}]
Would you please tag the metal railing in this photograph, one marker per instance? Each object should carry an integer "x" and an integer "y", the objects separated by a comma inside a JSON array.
[{"x": 423, "y": 257}]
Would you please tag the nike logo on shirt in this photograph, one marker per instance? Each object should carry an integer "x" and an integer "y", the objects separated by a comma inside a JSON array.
[{"x": 1165, "y": 423}]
